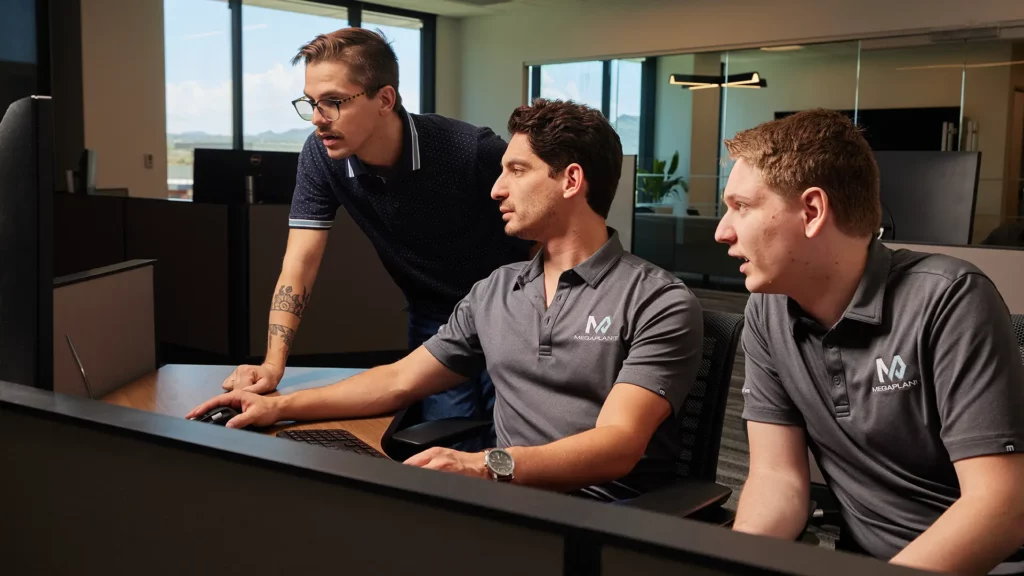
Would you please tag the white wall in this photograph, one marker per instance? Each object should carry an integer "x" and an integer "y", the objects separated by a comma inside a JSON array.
[
  {"x": 448, "y": 80},
  {"x": 123, "y": 93},
  {"x": 495, "y": 48}
]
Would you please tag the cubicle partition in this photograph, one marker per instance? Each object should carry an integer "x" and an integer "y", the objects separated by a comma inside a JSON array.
[
  {"x": 136, "y": 492},
  {"x": 355, "y": 306},
  {"x": 218, "y": 268},
  {"x": 103, "y": 328}
]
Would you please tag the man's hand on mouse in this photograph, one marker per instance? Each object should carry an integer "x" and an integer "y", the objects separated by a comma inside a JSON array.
[
  {"x": 255, "y": 410},
  {"x": 448, "y": 460},
  {"x": 257, "y": 379}
]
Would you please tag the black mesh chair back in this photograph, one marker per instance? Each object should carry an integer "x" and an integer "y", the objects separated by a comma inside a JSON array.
[
  {"x": 1018, "y": 328},
  {"x": 702, "y": 416}
]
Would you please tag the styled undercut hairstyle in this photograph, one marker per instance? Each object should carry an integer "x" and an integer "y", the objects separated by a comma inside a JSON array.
[
  {"x": 820, "y": 148},
  {"x": 371, "y": 60},
  {"x": 562, "y": 133}
]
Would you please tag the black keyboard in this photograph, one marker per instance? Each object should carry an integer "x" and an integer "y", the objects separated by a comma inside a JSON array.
[{"x": 333, "y": 439}]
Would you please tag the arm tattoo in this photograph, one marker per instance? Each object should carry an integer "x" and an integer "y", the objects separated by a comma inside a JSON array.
[
  {"x": 286, "y": 334},
  {"x": 286, "y": 301}
]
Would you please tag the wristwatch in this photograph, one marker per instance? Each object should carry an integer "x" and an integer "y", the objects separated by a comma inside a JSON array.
[{"x": 500, "y": 464}]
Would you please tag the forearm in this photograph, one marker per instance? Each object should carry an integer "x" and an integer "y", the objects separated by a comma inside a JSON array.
[
  {"x": 596, "y": 456},
  {"x": 772, "y": 505},
  {"x": 286, "y": 309},
  {"x": 369, "y": 393},
  {"x": 971, "y": 537}
]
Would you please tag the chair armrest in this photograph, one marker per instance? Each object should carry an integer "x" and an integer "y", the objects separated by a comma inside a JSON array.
[
  {"x": 685, "y": 498},
  {"x": 439, "y": 433}
]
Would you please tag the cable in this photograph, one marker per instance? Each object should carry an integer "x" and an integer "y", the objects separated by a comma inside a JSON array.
[{"x": 892, "y": 222}]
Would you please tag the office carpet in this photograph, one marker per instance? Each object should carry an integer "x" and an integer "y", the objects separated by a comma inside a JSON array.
[{"x": 734, "y": 454}]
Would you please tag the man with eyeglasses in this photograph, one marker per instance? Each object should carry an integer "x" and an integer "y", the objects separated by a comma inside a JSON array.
[{"x": 417, "y": 185}]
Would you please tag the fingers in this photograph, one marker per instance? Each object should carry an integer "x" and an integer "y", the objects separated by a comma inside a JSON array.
[
  {"x": 261, "y": 386},
  {"x": 245, "y": 418},
  {"x": 222, "y": 400},
  {"x": 423, "y": 458}
]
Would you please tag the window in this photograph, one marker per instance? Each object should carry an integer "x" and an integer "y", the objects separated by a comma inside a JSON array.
[
  {"x": 585, "y": 83},
  {"x": 577, "y": 81},
  {"x": 270, "y": 39},
  {"x": 201, "y": 100},
  {"x": 197, "y": 63},
  {"x": 624, "y": 103},
  {"x": 404, "y": 34}
]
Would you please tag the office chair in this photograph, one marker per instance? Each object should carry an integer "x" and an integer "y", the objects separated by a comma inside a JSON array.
[
  {"x": 1018, "y": 328},
  {"x": 692, "y": 491}
]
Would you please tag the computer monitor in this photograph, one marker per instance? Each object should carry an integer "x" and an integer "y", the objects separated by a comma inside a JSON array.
[
  {"x": 243, "y": 176},
  {"x": 928, "y": 196},
  {"x": 26, "y": 242}
]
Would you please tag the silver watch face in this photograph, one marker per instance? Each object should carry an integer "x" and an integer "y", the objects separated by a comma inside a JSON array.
[{"x": 500, "y": 462}]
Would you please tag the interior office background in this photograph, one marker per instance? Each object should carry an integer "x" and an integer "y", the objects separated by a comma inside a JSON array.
[{"x": 144, "y": 83}]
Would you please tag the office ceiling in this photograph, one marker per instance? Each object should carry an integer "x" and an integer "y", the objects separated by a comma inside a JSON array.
[{"x": 452, "y": 8}]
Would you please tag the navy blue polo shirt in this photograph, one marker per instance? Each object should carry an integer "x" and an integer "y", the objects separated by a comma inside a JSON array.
[{"x": 430, "y": 217}]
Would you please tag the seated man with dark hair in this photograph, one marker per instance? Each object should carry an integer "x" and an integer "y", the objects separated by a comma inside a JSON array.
[
  {"x": 591, "y": 349},
  {"x": 900, "y": 369}
]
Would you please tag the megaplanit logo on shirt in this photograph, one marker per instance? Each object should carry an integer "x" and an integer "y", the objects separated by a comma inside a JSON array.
[
  {"x": 895, "y": 372},
  {"x": 600, "y": 329}
]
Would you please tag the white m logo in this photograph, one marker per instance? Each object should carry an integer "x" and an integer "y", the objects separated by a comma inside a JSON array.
[
  {"x": 894, "y": 372},
  {"x": 602, "y": 327}
]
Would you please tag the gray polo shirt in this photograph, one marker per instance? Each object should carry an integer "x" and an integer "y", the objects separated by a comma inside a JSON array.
[
  {"x": 614, "y": 318},
  {"x": 921, "y": 371}
]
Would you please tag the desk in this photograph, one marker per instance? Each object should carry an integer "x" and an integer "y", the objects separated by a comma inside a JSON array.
[{"x": 175, "y": 389}]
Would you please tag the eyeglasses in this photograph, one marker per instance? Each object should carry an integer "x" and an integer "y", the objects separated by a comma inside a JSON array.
[{"x": 330, "y": 108}]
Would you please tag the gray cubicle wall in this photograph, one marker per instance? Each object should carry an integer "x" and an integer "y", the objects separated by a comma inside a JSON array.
[
  {"x": 89, "y": 232},
  {"x": 1004, "y": 266},
  {"x": 190, "y": 243},
  {"x": 355, "y": 306},
  {"x": 109, "y": 315},
  {"x": 136, "y": 492}
]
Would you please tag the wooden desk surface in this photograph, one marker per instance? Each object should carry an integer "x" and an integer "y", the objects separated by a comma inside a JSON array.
[{"x": 176, "y": 389}]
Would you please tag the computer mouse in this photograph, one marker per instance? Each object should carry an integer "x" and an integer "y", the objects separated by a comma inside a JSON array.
[{"x": 219, "y": 415}]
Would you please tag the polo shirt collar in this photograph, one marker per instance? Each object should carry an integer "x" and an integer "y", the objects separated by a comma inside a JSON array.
[
  {"x": 410, "y": 158},
  {"x": 591, "y": 270},
  {"x": 869, "y": 299}
]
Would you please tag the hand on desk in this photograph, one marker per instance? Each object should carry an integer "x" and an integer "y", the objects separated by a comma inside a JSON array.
[
  {"x": 255, "y": 410},
  {"x": 258, "y": 379},
  {"x": 448, "y": 460}
]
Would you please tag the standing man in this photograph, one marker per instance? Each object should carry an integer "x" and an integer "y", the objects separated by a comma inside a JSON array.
[
  {"x": 417, "y": 185},
  {"x": 901, "y": 368}
]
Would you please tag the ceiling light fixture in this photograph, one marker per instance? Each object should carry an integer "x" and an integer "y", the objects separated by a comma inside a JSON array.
[
  {"x": 699, "y": 82},
  {"x": 789, "y": 48}
]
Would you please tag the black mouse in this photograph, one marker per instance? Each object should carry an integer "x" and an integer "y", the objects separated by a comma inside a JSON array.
[{"x": 219, "y": 415}]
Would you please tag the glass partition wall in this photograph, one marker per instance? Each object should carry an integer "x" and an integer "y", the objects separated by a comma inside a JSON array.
[{"x": 943, "y": 112}]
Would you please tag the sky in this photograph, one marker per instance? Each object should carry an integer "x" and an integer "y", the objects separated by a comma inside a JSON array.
[
  {"x": 581, "y": 82},
  {"x": 197, "y": 42}
]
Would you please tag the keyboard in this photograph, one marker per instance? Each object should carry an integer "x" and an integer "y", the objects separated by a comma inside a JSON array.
[{"x": 333, "y": 439}]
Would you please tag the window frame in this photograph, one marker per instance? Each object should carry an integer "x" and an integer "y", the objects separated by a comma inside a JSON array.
[{"x": 428, "y": 55}]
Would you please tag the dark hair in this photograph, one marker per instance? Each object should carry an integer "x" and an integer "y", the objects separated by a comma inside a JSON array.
[
  {"x": 370, "y": 59},
  {"x": 820, "y": 148},
  {"x": 563, "y": 133}
]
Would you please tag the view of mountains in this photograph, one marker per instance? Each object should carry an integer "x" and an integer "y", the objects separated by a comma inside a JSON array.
[{"x": 627, "y": 126}]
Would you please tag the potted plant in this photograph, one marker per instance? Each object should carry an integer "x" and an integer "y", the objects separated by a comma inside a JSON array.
[{"x": 661, "y": 185}]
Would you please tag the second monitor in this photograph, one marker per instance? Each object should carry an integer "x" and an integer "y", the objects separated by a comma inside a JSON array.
[{"x": 243, "y": 176}]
